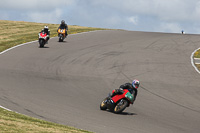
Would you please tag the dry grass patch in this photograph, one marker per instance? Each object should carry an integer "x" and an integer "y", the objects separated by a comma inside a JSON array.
[
  {"x": 13, "y": 122},
  {"x": 198, "y": 66},
  {"x": 17, "y": 32},
  {"x": 197, "y": 54}
]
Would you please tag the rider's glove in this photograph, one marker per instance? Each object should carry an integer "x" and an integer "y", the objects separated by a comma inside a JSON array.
[
  {"x": 116, "y": 91},
  {"x": 120, "y": 90}
]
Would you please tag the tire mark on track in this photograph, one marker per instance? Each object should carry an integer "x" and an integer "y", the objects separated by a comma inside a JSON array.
[{"x": 178, "y": 104}]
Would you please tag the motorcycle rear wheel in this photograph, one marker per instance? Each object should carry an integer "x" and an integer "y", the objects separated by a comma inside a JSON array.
[
  {"x": 103, "y": 105},
  {"x": 121, "y": 105}
]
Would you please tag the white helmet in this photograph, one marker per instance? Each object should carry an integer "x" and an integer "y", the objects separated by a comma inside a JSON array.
[{"x": 46, "y": 27}]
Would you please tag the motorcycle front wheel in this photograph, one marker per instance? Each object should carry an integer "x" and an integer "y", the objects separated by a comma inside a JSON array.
[
  {"x": 103, "y": 105},
  {"x": 61, "y": 38},
  {"x": 41, "y": 42},
  {"x": 121, "y": 105}
]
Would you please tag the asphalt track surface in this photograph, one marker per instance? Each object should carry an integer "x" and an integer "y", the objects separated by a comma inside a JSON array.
[{"x": 65, "y": 82}]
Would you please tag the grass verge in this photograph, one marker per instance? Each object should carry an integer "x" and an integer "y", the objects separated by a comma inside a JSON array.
[
  {"x": 14, "y": 122},
  {"x": 198, "y": 66},
  {"x": 197, "y": 54},
  {"x": 13, "y": 33}
]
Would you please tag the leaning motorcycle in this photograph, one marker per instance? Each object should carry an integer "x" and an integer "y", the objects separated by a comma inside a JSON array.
[
  {"x": 61, "y": 34},
  {"x": 117, "y": 103},
  {"x": 43, "y": 38}
]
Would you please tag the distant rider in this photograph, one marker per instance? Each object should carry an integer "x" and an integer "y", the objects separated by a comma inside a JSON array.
[
  {"x": 132, "y": 88},
  {"x": 47, "y": 31},
  {"x": 63, "y": 26}
]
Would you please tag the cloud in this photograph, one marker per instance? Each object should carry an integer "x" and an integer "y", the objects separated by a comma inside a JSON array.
[
  {"x": 145, "y": 15},
  {"x": 195, "y": 15},
  {"x": 133, "y": 20},
  {"x": 53, "y": 16},
  {"x": 169, "y": 27},
  {"x": 45, "y": 11},
  {"x": 162, "y": 9},
  {"x": 34, "y": 5}
]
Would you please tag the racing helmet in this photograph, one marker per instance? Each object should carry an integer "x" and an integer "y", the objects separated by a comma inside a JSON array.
[
  {"x": 62, "y": 22},
  {"x": 135, "y": 83},
  {"x": 46, "y": 27}
]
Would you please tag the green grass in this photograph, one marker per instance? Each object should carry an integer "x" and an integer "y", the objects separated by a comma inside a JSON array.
[
  {"x": 14, "y": 122},
  {"x": 197, "y": 54},
  {"x": 198, "y": 66},
  {"x": 13, "y": 33}
]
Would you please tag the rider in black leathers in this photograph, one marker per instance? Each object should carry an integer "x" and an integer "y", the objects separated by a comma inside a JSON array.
[
  {"x": 63, "y": 26},
  {"x": 132, "y": 88}
]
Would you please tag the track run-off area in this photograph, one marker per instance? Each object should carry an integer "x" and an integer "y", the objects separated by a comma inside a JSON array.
[{"x": 65, "y": 82}]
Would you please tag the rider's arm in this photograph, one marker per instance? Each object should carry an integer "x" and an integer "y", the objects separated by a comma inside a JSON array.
[
  {"x": 58, "y": 28},
  {"x": 66, "y": 27},
  {"x": 135, "y": 94},
  {"x": 124, "y": 86},
  {"x": 118, "y": 91},
  {"x": 49, "y": 32}
]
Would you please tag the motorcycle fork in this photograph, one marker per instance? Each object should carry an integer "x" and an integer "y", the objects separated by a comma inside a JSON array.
[
  {"x": 110, "y": 104},
  {"x": 121, "y": 102}
]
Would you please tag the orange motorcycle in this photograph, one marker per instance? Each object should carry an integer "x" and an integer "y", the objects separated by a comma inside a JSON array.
[{"x": 61, "y": 34}]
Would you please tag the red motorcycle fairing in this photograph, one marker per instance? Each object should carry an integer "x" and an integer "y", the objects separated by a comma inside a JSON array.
[
  {"x": 119, "y": 97},
  {"x": 43, "y": 35}
]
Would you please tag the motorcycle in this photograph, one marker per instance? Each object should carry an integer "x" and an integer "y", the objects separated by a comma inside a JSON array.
[
  {"x": 43, "y": 38},
  {"x": 61, "y": 34},
  {"x": 117, "y": 103}
]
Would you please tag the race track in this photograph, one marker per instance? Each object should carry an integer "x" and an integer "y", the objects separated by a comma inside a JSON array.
[{"x": 65, "y": 82}]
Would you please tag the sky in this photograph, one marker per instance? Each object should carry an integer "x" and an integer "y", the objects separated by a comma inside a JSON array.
[{"x": 171, "y": 16}]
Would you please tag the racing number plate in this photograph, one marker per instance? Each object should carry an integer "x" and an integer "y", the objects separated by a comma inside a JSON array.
[{"x": 129, "y": 96}]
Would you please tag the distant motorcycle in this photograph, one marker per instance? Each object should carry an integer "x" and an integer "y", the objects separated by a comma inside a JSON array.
[
  {"x": 61, "y": 34},
  {"x": 43, "y": 38},
  {"x": 117, "y": 103}
]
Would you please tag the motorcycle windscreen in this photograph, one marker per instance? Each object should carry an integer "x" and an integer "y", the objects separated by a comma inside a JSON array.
[{"x": 62, "y": 31}]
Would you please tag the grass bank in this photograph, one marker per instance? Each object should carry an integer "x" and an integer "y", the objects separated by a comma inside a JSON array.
[
  {"x": 197, "y": 55},
  {"x": 13, "y": 122},
  {"x": 13, "y": 33},
  {"x": 198, "y": 66}
]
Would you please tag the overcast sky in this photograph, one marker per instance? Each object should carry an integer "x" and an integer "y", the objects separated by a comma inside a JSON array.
[{"x": 136, "y": 15}]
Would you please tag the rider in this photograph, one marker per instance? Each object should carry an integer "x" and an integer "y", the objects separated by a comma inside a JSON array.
[
  {"x": 63, "y": 26},
  {"x": 132, "y": 88},
  {"x": 47, "y": 31}
]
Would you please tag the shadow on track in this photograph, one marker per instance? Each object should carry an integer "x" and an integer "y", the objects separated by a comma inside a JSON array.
[
  {"x": 63, "y": 42},
  {"x": 127, "y": 113},
  {"x": 123, "y": 113},
  {"x": 44, "y": 47}
]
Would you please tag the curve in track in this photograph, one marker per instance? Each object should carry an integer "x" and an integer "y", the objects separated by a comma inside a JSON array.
[{"x": 65, "y": 82}]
